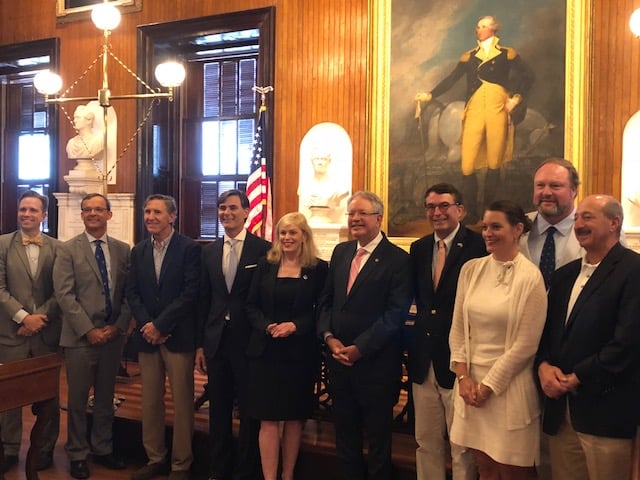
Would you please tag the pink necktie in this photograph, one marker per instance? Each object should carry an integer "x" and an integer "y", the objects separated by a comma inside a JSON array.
[
  {"x": 440, "y": 258},
  {"x": 355, "y": 267}
]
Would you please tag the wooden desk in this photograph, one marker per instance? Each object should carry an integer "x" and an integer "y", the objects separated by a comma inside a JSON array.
[{"x": 33, "y": 381}]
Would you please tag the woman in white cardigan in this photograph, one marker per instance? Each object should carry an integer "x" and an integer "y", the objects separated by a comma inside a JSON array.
[{"x": 498, "y": 319}]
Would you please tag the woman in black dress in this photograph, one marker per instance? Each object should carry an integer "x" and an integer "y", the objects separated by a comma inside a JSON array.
[{"x": 283, "y": 348}]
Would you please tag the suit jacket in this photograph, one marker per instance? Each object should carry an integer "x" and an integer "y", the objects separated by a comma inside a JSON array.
[
  {"x": 572, "y": 250},
  {"x": 373, "y": 314},
  {"x": 171, "y": 301},
  {"x": 216, "y": 301},
  {"x": 503, "y": 67},
  {"x": 20, "y": 290},
  {"x": 435, "y": 307},
  {"x": 600, "y": 343},
  {"x": 79, "y": 289},
  {"x": 261, "y": 304}
]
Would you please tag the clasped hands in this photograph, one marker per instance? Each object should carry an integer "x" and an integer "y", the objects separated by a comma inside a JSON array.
[
  {"x": 152, "y": 335},
  {"x": 100, "y": 336},
  {"x": 473, "y": 394},
  {"x": 281, "y": 330},
  {"x": 347, "y": 356},
  {"x": 555, "y": 382},
  {"x": 32, "y": 324}
]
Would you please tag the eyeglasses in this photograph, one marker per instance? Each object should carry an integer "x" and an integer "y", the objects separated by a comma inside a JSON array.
[
  {"x": 94, "y": 209},
  {"x": 361, "y": 214},
  {"x": 444, "y": 206}
]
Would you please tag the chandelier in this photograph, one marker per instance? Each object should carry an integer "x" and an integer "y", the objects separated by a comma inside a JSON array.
[{"x": 170, "y": 74}]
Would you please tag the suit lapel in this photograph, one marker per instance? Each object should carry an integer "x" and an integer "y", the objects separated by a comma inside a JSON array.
[
  {"x": 21, "y": 251},
  {"x": 457, "y": 245},
  {"x": 85, "y": 248},
  {"x": 599, "y": 276},
  {"x": 369, "y": 267},
  {"x": 428, "y": 262},
  {"x": 46, "y": 251}
]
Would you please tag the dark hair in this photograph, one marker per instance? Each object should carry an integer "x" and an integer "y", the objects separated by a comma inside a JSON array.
[
  {"x": 89, "y": 196},
  {"x": 244, "y": 201},
  {"x": 443, "y": 188},
  {"x": 169, "y": 202},
  {"x": 514, "y": 213},
  {"x": 574, "y": 178},
  {"x": 31, "y": 194}
]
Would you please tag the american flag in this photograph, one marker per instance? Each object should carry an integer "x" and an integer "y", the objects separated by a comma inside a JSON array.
[{"x": 260, "y": 221}]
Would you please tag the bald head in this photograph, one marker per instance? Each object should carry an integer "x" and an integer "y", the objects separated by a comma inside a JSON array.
[{"x": 598, "y": 225}]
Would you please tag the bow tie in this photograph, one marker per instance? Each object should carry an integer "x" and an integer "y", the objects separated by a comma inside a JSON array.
[{"x": 36, "y": 241}]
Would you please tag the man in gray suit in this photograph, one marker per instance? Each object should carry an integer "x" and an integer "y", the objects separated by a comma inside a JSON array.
[
  {"x": 89, "y": 278},
  {"x": 29, "y": 314}
]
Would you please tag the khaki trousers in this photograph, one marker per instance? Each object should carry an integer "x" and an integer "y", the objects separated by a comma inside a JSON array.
[
  {"x": 580, "y": 456},
  {"x": 178, "y": 367}
]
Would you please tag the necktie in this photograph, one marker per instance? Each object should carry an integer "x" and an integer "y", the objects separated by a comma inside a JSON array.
[
  {"x": 355, "y": 267},
  {"x": 36, "y": 241},
  {"x": 232, "y": 265},
  {"x": 440, "y": 258},
  {"x": 102, "y": 266},
  {"x": 548, "y": 256}
]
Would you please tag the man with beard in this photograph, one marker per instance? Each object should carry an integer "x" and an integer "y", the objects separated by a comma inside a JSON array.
[{"x": 552, "y": 243}]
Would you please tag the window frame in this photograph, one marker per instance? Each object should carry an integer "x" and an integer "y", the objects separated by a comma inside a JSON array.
[
  {"x": 8, "y": 161},
  {"x": 168, "y": 179}
]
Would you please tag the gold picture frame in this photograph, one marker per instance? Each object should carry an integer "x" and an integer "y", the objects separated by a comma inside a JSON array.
[
  {"x": 576, "y": 141},
  {"x": 76, "y": 10}
]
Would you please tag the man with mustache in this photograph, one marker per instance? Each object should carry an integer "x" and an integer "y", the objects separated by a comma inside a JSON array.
[
  {"x": 555, "y": 186},
  {"x": 588, "y": 361}
]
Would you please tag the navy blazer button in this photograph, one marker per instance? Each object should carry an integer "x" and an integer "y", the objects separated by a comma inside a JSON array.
[{"x": 434, "y": 311}]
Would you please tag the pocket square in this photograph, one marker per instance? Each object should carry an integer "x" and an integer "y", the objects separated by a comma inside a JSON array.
[{"x": 253, "y": 265}]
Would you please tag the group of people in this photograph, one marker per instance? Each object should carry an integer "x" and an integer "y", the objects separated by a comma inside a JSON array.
[
  {"x": 500, "y": 336},
  {"x": 532, "y": 325},
  {"x": 81, "y": 295}
]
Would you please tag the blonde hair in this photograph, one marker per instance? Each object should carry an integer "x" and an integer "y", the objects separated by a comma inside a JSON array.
[{"x": 309, "y": 252}]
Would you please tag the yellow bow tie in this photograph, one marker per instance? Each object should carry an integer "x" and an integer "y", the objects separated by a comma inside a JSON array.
[{"x": 36, "y": 241}]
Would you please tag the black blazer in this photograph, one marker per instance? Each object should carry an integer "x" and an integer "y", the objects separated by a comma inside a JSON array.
[
  {"x": 216, "y": 301},
  {"x": 600, "y": 343},
  {"x": 373, "y": 314},
  {"x": 435, "y": 307},
  {"x": 170, "y": 302},
  {"x": 261, "y": 303}
]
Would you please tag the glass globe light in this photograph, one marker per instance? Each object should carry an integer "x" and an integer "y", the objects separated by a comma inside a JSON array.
[
  {"x": 170, "y": 74},
  {"x": 634, "y": 22},
  {"x": 105, "y": 16},
  {"x": 47, "y": 82}
]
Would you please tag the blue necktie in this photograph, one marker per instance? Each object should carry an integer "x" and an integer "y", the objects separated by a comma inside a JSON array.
[
  {"x": 102, "y": 266},
  {"x": 548, "y": 256}
]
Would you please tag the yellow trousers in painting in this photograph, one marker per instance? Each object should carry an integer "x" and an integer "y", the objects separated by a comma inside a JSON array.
[{"x": 487, "y": 132}]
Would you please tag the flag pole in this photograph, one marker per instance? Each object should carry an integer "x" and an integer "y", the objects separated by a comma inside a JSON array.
[{"x": 264, "y": 181}]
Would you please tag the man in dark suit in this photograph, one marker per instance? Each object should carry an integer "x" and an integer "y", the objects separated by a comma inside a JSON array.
[
  {"x": 588, "y": 361},
  {"x": 436, "y": 261},
  {"x": 162, "y": 291},
  {"x": 89, "y": 275},
  {"x": 223, "y": 337},
  {"x": 29, "y": 315},
  {"x": 361, "y": 315}
]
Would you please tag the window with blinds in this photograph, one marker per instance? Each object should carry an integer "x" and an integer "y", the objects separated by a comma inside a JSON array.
[{"x": 29, "y": 132}]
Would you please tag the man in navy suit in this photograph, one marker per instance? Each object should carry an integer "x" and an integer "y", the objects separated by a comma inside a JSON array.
[
  {"x": 429, "y": 356},
  {"x": 361, "y": 315},
  {"x": 162, "y": 291},
  {"x": 588, "y": 361},
  {"x": 223, "y": 336}
]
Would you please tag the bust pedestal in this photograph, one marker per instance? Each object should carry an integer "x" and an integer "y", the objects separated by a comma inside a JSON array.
[
  {"x": 120, "y": 226},
  {"x": 84, "y": 178}
]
